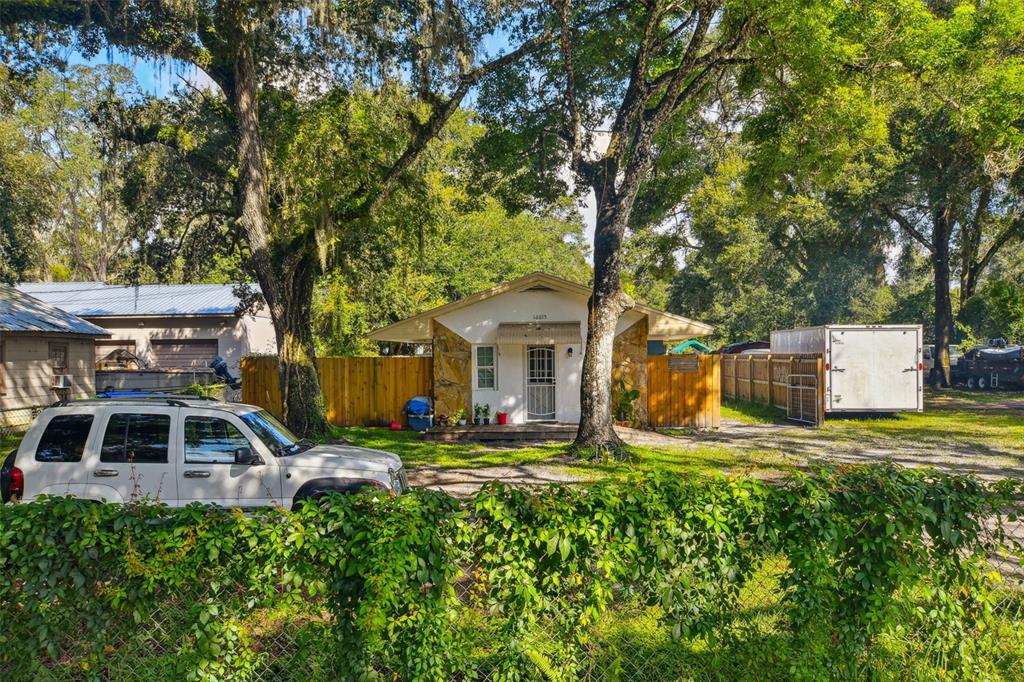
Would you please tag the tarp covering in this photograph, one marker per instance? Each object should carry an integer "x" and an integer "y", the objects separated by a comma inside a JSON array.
[
  {"x": 539, "y": 332},
  {"x": 691, "y": 346},
  {"x": 1008, "y": 354}
]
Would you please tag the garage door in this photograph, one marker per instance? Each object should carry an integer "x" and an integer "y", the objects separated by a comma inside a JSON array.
[{"x": 181, "y": 353}]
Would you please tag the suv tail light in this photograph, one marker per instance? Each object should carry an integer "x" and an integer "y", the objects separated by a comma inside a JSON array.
[{"x": 16, "y": 487}]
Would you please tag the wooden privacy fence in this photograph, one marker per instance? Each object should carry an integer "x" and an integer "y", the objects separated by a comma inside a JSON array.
[
  {"x": 791, "y": 382},
  {"x": 357, "y": 391},
  {"x": 683, "y": 390}
]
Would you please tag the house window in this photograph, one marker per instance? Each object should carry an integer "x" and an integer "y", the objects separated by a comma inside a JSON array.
[
  {"x": 59, "y": 358},
  {"x": 486, "y": 375}
]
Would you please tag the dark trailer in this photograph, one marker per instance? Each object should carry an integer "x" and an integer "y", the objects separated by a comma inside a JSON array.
[{"x": 985, "y": 368}]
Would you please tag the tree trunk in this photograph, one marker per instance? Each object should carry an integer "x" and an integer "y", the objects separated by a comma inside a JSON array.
[
  {"x": 287, "y": 286},
  {"x": 300, "y": 384},
  {"x": 940, "y": 374},
  {"x": 606, "y": 305}
]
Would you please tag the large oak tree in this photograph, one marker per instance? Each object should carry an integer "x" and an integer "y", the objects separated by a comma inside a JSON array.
[
  {"x": 246, "y": 45},
  {"x": 614, "y": 99}
]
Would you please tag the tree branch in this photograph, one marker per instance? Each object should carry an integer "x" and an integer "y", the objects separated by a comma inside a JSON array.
[
  {"x": 441, "y": 113},
  {"x": 1013, "y": 230},
  {"x": 907, "y": 226},
  {"x": 575, "y": 134}
]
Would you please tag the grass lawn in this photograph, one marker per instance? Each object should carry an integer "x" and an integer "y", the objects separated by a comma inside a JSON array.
[
  {"x": 979, "y": 431},
  {"x": 752, "y": 413},
  {"x": 964, "y": 429},
  {"x": 954, "y": 397},
  {"x": 981, "y": 437},
  {"x": 685, "y": 457}
]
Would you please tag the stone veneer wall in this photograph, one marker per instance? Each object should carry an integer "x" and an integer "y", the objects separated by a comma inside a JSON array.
[
  {"x": 629, "y": 362},
  {"x": 453, "y": 368}
]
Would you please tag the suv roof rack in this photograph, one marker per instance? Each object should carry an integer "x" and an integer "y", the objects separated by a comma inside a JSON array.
[{"x": 173, "y": 399}]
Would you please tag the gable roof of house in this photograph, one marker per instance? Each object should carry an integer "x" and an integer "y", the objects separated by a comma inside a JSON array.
[
  {"x": 419, "y": 328},
  {"x": 20, "y": 312},
  {"x": 96, "y": 299}
]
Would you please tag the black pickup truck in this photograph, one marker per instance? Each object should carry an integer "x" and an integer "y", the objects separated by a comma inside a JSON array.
[{"x": 986, "y": 368}]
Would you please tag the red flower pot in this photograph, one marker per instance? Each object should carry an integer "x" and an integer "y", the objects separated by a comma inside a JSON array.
[{"x": 502, "y": 418}]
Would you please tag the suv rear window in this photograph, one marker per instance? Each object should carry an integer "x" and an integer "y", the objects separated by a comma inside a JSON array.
[
  {"x": 136, "y": 439},
  {"x": 63, "y": 439}
]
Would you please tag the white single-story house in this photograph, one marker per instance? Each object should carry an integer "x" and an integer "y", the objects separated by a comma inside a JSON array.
[
  {"x": 46, "y": 354},
  {"x": 168, "y": 326},
  {"x": 518, "y": 347}
]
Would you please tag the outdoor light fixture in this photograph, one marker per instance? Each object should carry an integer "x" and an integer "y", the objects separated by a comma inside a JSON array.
[{"x": 570, "y": 351}]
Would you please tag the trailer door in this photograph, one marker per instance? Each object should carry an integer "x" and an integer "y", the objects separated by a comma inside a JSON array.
[{"x": 873, "y": 370}]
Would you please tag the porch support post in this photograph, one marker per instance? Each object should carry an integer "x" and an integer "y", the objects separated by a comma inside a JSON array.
[
  {"x": 629, "y": 364},
  {"x": 453, "y": 369}
]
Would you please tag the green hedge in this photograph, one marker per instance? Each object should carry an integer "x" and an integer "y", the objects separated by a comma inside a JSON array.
[{"x": 422, "y": 587}]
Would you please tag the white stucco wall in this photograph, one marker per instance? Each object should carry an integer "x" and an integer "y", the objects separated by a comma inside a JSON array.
[
  {"x": 478, "y": 324},
  {"x": 236, "y": 336}
]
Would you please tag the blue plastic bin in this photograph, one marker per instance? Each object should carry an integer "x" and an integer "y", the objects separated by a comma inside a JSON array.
[{"x": 421, "y": 423}]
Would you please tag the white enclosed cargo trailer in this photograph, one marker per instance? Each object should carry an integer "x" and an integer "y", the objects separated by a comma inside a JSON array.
[{"x": 867, "y": 367}]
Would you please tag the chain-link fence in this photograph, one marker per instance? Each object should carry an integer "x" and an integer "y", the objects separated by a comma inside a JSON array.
[
  {"x": 13, "y": 425},
  {"x": 294, "y": 640}
]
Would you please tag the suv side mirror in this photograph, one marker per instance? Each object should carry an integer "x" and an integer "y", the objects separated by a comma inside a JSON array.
[{"x": 247, "y": 456}]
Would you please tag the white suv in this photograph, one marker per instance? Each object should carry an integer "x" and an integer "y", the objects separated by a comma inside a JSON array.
[{"x": 179, "y": 450}]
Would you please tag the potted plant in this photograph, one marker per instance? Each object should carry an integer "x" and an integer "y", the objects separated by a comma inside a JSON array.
[
  {"x": 625, "y": 410},
  {"x": 478, "y": 413},
  {"x": 502, "y": 417},
  {"x": 485, "y": 412},
  {"x": 460, "y": 417}
]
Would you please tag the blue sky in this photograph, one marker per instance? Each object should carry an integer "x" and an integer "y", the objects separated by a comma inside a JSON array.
[{"x": 155, "y": 77}]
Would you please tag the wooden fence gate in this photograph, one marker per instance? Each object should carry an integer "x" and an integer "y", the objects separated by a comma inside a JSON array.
[
  {"x": 357, "y": 391},
  {"x": 791, "y": 382},
  {"x": 684, "y": 390}
]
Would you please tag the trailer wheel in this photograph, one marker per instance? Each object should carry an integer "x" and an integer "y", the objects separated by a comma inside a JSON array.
[{"x": 972, "y": 383}]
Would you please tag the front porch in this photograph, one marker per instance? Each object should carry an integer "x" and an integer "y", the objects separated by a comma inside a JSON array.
[{"x": 491, "y": 433}]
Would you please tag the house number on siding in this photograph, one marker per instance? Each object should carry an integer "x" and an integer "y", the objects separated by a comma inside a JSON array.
[{"x": 540, "y": 317}]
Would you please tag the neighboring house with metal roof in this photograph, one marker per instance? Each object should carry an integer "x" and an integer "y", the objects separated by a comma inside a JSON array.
[
  {"x": 518, "y": 347},
  {"x": 167, "y": 326},
  {"x": 46, "y": 354}
]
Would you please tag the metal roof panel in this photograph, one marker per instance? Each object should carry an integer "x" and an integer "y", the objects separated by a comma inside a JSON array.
[
  {"x": 96, "y": 299},
  {"x": 20, "y": 312}
]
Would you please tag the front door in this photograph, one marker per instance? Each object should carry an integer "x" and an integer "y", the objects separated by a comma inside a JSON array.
[{"x": 540, "y": 383}]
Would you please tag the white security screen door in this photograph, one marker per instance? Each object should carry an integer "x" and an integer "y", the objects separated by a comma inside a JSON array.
[{"x": 540, "y": 383}]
